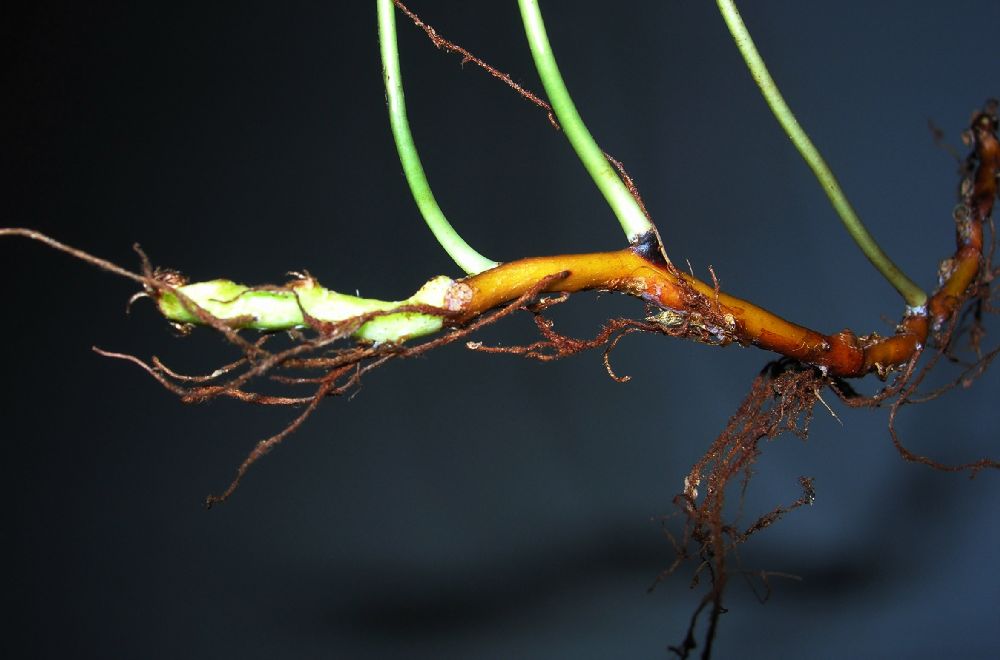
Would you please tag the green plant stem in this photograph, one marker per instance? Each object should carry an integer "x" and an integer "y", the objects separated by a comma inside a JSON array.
[
  {"x": 461, "y": 252},
  {"x": 912, "y": 294},
  {"x": 304, "y": 303},
  {"x": 633, "y": 221}
]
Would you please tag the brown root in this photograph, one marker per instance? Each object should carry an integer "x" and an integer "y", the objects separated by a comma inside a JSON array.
[{"x": 781, "y": 399}]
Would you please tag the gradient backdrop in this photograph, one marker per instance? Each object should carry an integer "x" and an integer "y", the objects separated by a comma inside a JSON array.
[{"x": 465, "y": 505}]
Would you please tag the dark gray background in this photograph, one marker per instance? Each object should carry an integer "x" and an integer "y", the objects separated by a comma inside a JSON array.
[{"x": 464, "y": 505}]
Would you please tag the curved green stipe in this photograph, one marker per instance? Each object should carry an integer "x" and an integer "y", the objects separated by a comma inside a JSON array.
[
  {"x": 912, "y": 294},
  {"x": 633, "y": 221},
  {"x": 461, "y": 252}
]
